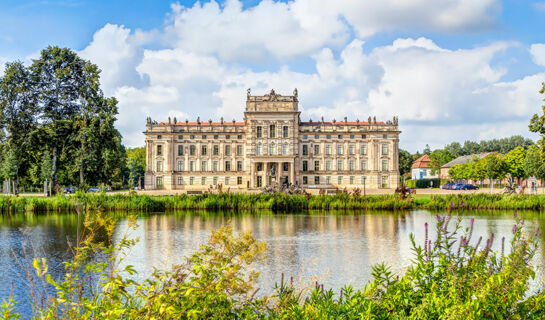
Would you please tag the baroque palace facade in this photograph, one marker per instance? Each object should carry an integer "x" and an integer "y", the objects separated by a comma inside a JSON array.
[{"x": 272, "y": 145}]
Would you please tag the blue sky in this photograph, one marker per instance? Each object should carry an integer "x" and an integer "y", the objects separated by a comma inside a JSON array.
[{"x": 472, "y": 67}]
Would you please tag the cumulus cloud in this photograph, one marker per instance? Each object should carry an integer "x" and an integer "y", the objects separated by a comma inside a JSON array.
[
  {"x": 201, "y": 71},
  {"x": 537, "y": 51}
]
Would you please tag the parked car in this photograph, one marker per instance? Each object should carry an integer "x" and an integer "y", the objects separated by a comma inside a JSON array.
[
  {"x": 469, "y": 187},
  {"x": 68, "y": 190},
  {"x": 93, "y": 189},
  {"x": 447, "y": 186}
]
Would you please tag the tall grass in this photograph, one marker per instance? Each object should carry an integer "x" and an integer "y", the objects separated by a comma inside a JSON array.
[{"x": 274, "y": 202}]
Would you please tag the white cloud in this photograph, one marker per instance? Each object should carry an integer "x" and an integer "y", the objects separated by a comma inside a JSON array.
[
  {"x": 537, "y": 51},
  {"x": 539, "y": 5},
  {"x": 300, "y": 27}
]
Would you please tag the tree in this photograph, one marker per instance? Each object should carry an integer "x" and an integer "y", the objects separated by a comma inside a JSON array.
[
  {"x": 514, "y": 162},
  {"x": 136, "y": 164},
  {"x": 534, "y": 165},
  {"x": 455, "y": 148},
  {"x": 427, "y": 149},
  {"x": 405, "y": 162},
  {"x": 18, "y": 119},
  {"x": 438, "y": 158},
  {"x": 494, "y": 167},
  {"x": 537, "y": 123}
]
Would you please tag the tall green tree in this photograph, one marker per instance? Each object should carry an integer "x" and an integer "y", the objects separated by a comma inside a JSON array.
[
  {"x": 405, "y": 161},
  {"x": 438, "y": 158},
  {"x": 494, "y": 167},
  {"x": 537, "y": 123},
  {"x": 17, "y": 118},
  {"x": 514, "y": 162},
  {"x": 136, "y": 164},
  {"x": 534, "y": 164}
]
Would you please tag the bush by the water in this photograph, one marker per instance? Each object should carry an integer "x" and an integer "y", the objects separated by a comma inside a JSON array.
[{"x": 453, "y": 275}]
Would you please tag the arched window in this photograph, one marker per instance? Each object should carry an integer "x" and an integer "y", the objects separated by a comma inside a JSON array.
[{"x": 272, "y": 149}]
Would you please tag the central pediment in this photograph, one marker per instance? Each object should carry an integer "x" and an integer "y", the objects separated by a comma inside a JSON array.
[{"x": 272, "y": 102}]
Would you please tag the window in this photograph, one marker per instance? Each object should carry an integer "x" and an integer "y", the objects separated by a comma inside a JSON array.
[
  {"x": 305, "y": 165},
  {"x": 258, "y": 149},
  {"x": 384, "y": 165},
  {"x": 339, "y": 165},
  {"x": 227, "y": 150},
  {"x": 305, "y": 150},
  {"x": 285, "y": 131},
  {"x": 159, "y": 136},
  {"x": 203, "y": 181},
  {"x": 215, "y": 180},
  {"x": 203, "y": 150},
  {"x": 191, "y": 180},
  {"x": 285, "y": 149},
  {"x": 351, "y": 136},
  {"x": 180, "y": 181},
  {"x": 259, "y": 166},
  {"x": 203, "y": 136},
  {"x": 159, "y": 166},
  {"x": 259, "y": 181},
  {"x": 339, "y": 179},
  {"x": 272, "y": 149},
  {"x": 239, "y": 180},
  {"x": 159, "y": 182},
  {"x": 305, "y": 137},
  {"x": 239, "y": 136},
  {"x": 384, "y": 148},
  {"x": 227, "y": 136},
  {"x": 216, "y": 136},
  {"x": 239, "y": 165},
  {"x": 340, "y": 136},
  {"x": 180, "y": 137},
  {"x": 316, "y": 179},
  {"x": 204, "y": 165},
  {"x": 305, "y": 180},
  {"x": 192, "y": 150},
  {"x": 259, "y": 131},
  {"x": 272, "y": 131},
  {"x": 192, "y": 136},
  {"x": 239, "y": 150},
  {"x": 316, "y": 149},
  {"x": 180, "y": 150},
  {"x": 215, "y": 166},
  {"x": 363, "y": 165},
  {"x": 180, "y": 165},
  {"x": 285, "y": 166},
  {"x": 384, "y": 136},
  {"x": 226, "y": 180},
  {"x": 328, "y": 180},
  {"x": 316, "y": 136},
  {"x": 328, "y": 136},
  {"x": 316, "y": 165},
  {"x": 351, "y": 149},
  {"x": 227, "y": 165},
  {"x": 328, "y": 165},
  {"x": 216, "y": 150},
  {"x": 159, "y": 150},
  {"x": 363, "y": 148},
  {"x": 191, "y": 165},
  {"x": 339, "y": 149},
  {"x": 328, "y": 149},
  {"x": 351, "y": 165},
  {"x": 363, "y": 136},
  {"x": 351, "y": 179},
  {"x": 385, "y": 181}
]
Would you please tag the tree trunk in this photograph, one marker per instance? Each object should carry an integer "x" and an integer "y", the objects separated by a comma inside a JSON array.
[{"x": 53, "y": 169}]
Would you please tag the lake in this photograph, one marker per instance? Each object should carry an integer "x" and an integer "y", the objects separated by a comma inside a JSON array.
[{"x": 333, "y": 249}]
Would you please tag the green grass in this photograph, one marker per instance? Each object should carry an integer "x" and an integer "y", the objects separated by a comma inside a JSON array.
[{"x": 275, "y": 202}]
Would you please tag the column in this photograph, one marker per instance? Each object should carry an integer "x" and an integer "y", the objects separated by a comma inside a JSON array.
[{"x": 292, "y": 172}]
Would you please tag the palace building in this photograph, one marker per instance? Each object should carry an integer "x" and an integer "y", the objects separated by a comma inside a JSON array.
[{"x": 271, "y": 146}]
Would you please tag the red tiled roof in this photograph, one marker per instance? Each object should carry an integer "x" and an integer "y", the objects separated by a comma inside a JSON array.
[
  {"x": 340, "y": 123},
  {"x": 421, "y": 162},
  {"x": 225, "y": 123}
]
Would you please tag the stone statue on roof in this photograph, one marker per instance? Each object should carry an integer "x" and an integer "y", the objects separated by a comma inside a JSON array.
[
  {"x": 295, "y": 93},
  {"x": 248, "y": 92}
]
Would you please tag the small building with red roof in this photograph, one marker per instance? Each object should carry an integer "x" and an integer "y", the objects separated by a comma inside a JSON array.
[{"x": 421, "y": 169}]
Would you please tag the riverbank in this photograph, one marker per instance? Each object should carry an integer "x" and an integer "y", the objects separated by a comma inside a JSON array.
[{"x": 275, "y": 202}]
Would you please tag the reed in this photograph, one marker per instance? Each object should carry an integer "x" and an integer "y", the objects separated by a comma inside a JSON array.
[{"x": 274, "y": 202}]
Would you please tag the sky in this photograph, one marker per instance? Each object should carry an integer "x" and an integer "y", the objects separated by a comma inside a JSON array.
[{"x": 451, "y": 70}]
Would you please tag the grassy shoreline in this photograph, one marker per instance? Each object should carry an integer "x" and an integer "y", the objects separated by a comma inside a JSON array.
[{"x": 275, "y": 203}]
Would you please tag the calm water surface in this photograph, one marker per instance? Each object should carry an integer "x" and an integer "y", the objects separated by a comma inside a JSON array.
[{"x": 333, "y": 249}]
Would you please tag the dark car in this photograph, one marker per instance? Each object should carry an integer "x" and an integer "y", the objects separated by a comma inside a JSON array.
[
  {"x": 68, "y": 190},
  {"x": 447, "y": 186},
  {"x": 93, "y": 189},
  {"x": 469, "y": 187}
]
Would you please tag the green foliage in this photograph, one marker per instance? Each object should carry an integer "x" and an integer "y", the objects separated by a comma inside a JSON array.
[
  {"x": 537, "y": 123},
  {"x": 514, "y": 162},
  {"x": 405, "y": 161},
  {"x": 439, "y": 158},
  {"x": 136, "y": 165},
  {"x": 426, "y": 183}
]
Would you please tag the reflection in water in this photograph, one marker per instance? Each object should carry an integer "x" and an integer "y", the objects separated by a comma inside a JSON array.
[{"x": 337, "y": 249}]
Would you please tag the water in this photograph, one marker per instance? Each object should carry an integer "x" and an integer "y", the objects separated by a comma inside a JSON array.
[{"x": 332, "y": 249}]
